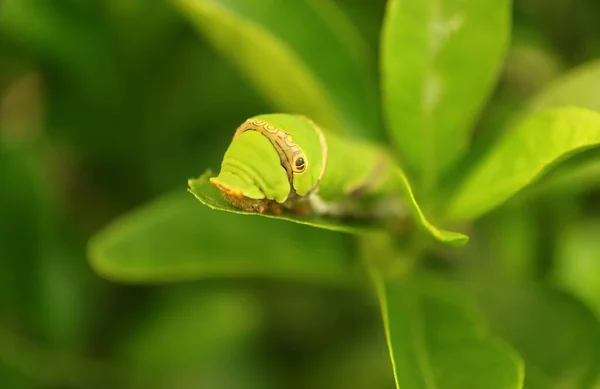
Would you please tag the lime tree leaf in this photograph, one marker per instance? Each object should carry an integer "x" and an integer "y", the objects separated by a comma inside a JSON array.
[
  {"x": 210, "y": 196},
  {"x": 451, "y": 238},
  {"x": 436, "y": 340},
  {"x": 175, "y": 239},
  {"x": 578, "y": 87},
  {"x": 522, "y": 156},
  {"x": 303, "y": 56},
  {"x": 440, "y": 60},
  {"x": 558, "y": 337},
  {"x": 571, "y": 178}
]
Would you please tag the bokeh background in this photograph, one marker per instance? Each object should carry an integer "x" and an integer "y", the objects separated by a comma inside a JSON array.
[{"x": 107, "y": 104}]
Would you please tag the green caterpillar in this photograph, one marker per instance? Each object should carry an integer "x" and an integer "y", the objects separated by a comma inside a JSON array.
[{"x": 279, "y": 162}]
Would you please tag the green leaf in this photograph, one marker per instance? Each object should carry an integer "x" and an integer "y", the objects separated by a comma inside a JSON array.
[
  {"x": 440, "y": 59},
  {"x": 578, "y": 87},
  {"x": 572, "y": 178},
  {"x": 210, "y": 196},
  {"x": 175, "y": 239},
  {"x": 557, "y": 336},
  {"x": 522, "y": 156},
  {"x": 436, "y": 340},
  {"x": 453, "y": 239},
  {"x": 302, "y": 56}
]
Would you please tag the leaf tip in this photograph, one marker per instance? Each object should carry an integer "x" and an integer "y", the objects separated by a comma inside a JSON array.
[
  {"x": 96, "y": 257},
  {"x": 458, "y": 240},
  {"x": 452, "y": 239}
]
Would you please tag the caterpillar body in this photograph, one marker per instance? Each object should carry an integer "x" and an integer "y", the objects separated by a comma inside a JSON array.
[{"x": 283, "y": 162}]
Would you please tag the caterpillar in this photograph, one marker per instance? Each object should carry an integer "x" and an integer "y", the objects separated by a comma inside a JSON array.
[{"x": 286, "y": 162}]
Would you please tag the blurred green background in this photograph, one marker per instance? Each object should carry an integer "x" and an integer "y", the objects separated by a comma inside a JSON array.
[{"x": 105, "y": 105}]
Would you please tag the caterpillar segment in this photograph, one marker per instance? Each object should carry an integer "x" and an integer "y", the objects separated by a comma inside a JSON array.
[{"x": 279, "y": 162}]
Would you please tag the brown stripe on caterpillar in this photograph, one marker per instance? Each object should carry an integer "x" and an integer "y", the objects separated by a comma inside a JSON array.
[{"x": 292, "y": 157}]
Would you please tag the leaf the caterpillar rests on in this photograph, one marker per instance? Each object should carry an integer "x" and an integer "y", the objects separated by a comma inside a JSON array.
[{"x": 282, "y": 164}]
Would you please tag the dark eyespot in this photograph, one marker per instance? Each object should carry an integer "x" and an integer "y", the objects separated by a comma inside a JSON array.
[{"x": 300, "y": 163}]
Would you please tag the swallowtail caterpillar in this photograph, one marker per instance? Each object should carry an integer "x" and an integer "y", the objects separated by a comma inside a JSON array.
[{"x": 283, "y": 162}]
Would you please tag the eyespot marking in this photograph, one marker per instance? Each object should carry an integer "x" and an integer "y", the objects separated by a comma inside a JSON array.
[{"x": 299, "y": 165}]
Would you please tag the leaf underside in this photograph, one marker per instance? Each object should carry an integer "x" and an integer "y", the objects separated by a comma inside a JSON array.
[
  {"x": 525, "y": 154},
  {"x": 210, "y": 196},
  {"x": 579, "y": 88},
  {"x": 173, "y": 239}
]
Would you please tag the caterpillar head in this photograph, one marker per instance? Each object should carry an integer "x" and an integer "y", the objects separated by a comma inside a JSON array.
[{"x": 251, "y": 173}]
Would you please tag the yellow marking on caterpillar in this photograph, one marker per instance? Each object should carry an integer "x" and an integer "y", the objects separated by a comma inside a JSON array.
[
  {"x": 225, "y": 189},
  {"x": 292, "y": 157}
]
